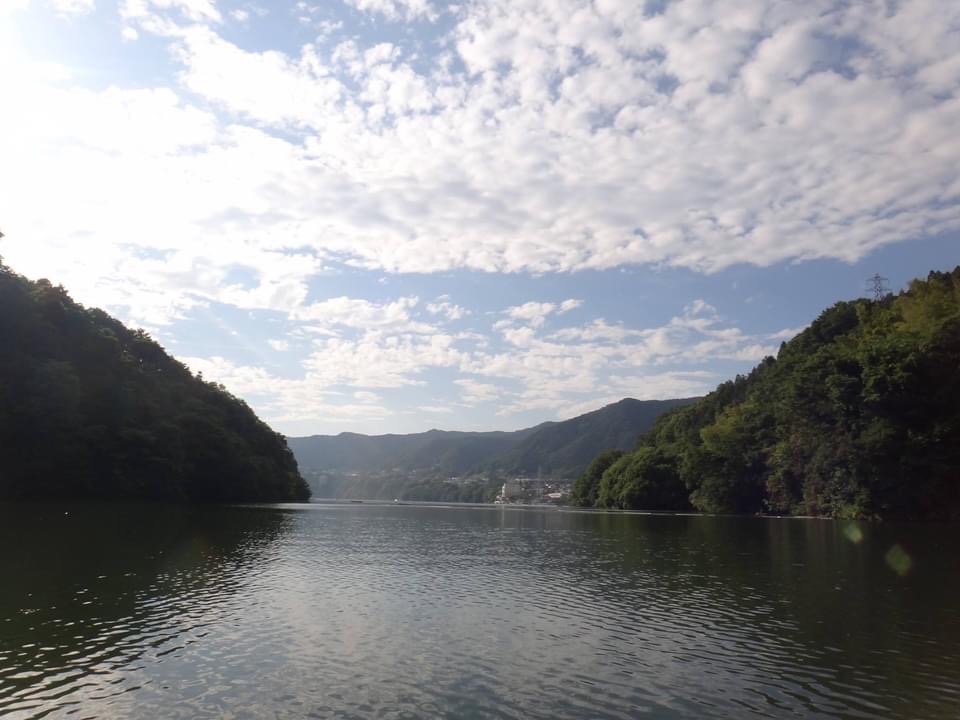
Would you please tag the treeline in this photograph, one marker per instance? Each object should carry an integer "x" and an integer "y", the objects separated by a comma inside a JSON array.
[
  {"x": 92, "y": 409},
  {"x": 858, "y": 416},
  {"x": 389, "y": 487}
]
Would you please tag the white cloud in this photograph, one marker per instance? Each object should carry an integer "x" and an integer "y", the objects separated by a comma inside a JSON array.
[
  {"x": 363, "y": 314},
  {"x": 533, "y": 313},
  {"x": 9, "y": 7},
  {"x": 561, "y": 372},
  {"x": 782, "y": 59},
  {"x": 73, "y": 8},
  {"x": 267, "y": 87},
  {"x": 380, "y": 360},
  {"x": 754, "y": 353},
  {"x": 151, "y": 12},
  {"x": 785, "y": 334},
  {"x": 654, "y": 163},
  {"x": 366, "y": 396},
  {"x": 474, "y": 392},
  {"x": 580, "y": 136},
  {"x": 396, "y": 9},
  {"x": 447, "y": 309},
  {"x": 597, "y": 331},
  {"x": 605, "y": 360},
  {"x": 279, "y": 345},
  {"x": 648, "y": 387},
  {"x": 546, "y": 135},
  {"x": 288, "y": 401},
  {"x": 435, "y": 409}
]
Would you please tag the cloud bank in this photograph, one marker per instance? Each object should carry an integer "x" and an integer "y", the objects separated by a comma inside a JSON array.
[{"x": 520, "y": 136}]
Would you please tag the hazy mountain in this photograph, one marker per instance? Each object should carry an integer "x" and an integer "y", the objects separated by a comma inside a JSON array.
[
  {"x": 564, "y": 449},
  {"x": 560, "y": 449},
  {"x": 443, "y": 451}
]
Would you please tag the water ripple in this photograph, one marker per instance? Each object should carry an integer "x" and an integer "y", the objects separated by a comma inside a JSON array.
[{"x": 410, "y": 612}]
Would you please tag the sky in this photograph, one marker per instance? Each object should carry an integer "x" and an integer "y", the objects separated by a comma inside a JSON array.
[{"x": 393, "y": 215}]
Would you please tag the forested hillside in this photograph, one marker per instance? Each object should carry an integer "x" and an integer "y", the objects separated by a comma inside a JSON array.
[
  {"x": 553, "y": 449},
  {"x": 92, "y": 409},
  {"x": 445, "y": 452},
  {"x": 858, "y": 416},
  {"x": 564, "y": 449}
]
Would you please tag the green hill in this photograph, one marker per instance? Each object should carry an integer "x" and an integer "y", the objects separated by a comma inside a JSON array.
[
  {"x": 381, "y": 465},
  {"x": 858, "y": 416},
  {"x": 90, "y": 409},
  {"x": 443, "y": 452},
  {"x": 564, "y": 449}
]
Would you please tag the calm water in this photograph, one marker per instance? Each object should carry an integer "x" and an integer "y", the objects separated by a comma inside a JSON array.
[{"x": 361, "y": 611}]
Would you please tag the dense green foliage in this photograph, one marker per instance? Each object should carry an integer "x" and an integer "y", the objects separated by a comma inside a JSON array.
[
  {"x": 390, "y": 486},
  {"x": 92, "y": 409},
  {"x": 858, "y": 416},
  {"x": 585, "y": 488}
]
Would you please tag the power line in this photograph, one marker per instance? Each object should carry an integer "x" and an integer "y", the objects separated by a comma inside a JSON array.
[{"x": 879, "y": 286}]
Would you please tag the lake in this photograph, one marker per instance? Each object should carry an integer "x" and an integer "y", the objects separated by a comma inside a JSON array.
[{"x": 381, "y": 611}]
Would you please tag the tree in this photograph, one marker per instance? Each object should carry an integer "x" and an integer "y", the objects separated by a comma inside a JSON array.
[
  {"x": 584, "y": 491},
  {"x": 91, "y": 409},
  {"x": 857, "y": 416}
]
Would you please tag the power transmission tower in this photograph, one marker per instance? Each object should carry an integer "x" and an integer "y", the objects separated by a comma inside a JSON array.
[{"x": 879, "y": 286}]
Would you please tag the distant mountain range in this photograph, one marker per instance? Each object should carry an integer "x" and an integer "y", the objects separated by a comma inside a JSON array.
[{"x": 552, "y": 449}]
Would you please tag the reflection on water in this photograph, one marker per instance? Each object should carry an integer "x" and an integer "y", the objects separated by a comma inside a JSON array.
[
  {"x": 384, "y": 611},
  {"x": 94, "y": 597}
]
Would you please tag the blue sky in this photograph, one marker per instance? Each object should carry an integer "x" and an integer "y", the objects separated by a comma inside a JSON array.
[{"x": 392, "y": 215}]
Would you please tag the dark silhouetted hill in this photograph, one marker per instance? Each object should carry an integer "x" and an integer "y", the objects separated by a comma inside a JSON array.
[{"x": 90, "y": 409}]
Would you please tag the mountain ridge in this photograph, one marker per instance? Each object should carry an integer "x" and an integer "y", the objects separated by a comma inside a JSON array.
[{"x": 560, "y": 448}]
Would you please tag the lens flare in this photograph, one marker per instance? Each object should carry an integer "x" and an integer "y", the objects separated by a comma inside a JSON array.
[
  {"x": 853, "y": 533},
  {"x": 899, "y": 560}
]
